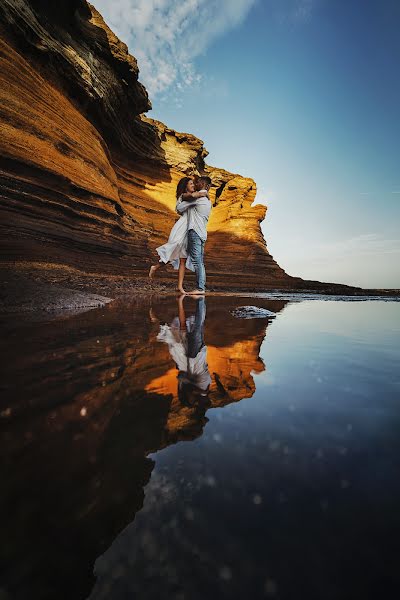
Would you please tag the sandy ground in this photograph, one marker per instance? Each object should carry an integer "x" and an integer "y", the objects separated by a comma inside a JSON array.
[{"x": 51, "y": 288}]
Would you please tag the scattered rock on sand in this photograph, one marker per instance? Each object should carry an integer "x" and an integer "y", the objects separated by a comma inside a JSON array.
[{"x": 34, "y": 296}]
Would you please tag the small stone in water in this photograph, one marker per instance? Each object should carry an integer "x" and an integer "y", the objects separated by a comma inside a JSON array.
[
  {"x": 252, "y": 312},
  {"x": 210, "y": 480},
  {"x": 225, "y": 573},
  {"x": 270, "y": 587}
]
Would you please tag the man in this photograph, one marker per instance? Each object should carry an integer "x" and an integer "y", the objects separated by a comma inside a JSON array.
[{"x": 199, "y": 212}]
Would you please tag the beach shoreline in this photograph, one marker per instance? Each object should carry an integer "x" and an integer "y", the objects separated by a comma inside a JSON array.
[{"x": 27, "y": 288}]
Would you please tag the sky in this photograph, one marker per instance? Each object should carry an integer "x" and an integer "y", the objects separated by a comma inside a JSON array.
[{"x": 301, "y": 95}]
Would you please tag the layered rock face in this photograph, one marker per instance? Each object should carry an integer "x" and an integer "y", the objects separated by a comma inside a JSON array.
[{"x": 86, "y": 179}]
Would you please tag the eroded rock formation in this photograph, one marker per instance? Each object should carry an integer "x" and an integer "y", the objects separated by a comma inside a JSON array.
[{"x": 86, "y": 179}]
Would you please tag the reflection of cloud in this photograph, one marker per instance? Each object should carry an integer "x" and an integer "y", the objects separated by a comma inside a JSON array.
[{"x": 167, "y": 35}]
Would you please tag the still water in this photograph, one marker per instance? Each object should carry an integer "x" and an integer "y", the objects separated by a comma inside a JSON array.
[{"x": 171, "y": 450}]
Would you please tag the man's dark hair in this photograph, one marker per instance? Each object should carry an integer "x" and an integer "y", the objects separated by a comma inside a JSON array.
[{"x": 205, "y": 179}]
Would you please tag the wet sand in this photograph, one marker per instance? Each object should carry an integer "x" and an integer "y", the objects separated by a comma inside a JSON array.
[{"x": 36, "y": 287}]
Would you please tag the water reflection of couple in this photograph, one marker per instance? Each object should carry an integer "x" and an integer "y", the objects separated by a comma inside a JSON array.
[{"x": 185, "y": 339}]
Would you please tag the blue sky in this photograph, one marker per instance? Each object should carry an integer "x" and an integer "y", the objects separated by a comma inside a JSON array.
[{"x": 301, "y": 95}]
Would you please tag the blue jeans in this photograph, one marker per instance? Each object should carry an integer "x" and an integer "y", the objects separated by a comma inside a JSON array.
[
  {"x": 195, "y": 337},
  {"x": 196, "y": 251}
]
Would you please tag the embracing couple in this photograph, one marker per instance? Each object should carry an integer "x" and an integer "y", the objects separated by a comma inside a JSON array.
[{"x": 185, "y": 246}]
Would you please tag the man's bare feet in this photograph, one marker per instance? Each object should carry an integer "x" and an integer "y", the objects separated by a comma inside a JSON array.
[
  {"x": 153, "y": 269},
  {"x": 196, "y": 292}
]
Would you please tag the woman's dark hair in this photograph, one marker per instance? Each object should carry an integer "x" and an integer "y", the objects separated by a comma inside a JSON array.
[{"x": 182, "y": 185}]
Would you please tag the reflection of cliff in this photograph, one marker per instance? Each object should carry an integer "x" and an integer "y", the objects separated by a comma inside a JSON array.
[
  {"x": 80, "y": 426},
  {"x": 85, "y": 178},
  {"x": 231, "y": 369},
  {"x": 231, "y": 362}
]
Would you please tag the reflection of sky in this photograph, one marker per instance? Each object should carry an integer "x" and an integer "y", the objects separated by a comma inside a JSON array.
[
  {"x": 305, "y": 467},
  {"x": 331, "y": 386},
  {"x": 328, "y": 365},
  {"x": 370, "y": 320},
  {"x": 333, "y": 350}
]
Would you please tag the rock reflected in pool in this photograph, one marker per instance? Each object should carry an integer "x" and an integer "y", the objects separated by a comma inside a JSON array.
[{"x": 253, "y": 312}]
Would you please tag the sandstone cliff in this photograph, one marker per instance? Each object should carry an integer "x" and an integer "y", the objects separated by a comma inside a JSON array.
[{"x": 86, "y": 179}]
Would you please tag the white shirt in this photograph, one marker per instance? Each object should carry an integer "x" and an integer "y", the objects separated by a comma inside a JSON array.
[{"x": 198, "y": 214}]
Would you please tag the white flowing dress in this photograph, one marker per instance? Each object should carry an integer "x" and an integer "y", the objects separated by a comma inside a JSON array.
[
  {"x": 196, "y": 368},
  {"x": 176, "y": 247}
]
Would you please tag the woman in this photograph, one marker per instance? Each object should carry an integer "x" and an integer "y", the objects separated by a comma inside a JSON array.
[{"x": 175, "y": 250}]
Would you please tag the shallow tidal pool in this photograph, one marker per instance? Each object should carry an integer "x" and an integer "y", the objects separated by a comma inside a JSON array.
[{"x": 169, "y": 449}]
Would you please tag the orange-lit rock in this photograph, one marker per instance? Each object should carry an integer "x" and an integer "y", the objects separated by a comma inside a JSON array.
[{"x": 86, "y": 179}]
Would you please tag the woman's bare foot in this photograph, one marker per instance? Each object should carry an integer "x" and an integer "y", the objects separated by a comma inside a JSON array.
[
  {"x": 152, "y": 316},
  {"x": 181, "y": 291},
  {"x": 196, "y": 292},
  {"x": 153, "y": 269}
]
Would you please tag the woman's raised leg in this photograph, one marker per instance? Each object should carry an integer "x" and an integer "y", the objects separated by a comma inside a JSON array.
[{"x": 153, "y": 269}]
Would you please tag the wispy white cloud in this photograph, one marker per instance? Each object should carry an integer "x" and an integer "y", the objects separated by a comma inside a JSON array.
[
  {"x": 293, "y": 11},
  {"x": 302, "y": 10},
  {"x": 166, "y": 36},
  {"x": 360, "y": 245},
  {"x": 379, "y": 193}
]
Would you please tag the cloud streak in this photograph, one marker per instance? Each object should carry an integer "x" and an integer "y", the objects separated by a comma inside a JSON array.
[
  {"x": 365, "y": 244},
  {"x": 166, "y": 36}
]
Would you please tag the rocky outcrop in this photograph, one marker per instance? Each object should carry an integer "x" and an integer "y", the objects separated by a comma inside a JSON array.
[{"x": 86, "y": 179}]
